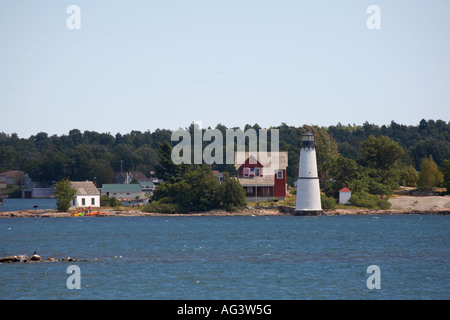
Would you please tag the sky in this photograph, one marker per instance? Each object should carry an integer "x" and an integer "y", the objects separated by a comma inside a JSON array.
[{"x": 144, "y": 65}]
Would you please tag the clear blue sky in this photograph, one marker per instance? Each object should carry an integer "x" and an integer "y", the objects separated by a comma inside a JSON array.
[{"x": 143, "y": 65}]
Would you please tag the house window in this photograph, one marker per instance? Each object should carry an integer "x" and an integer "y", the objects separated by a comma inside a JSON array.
[
  {"x": 246, "y": 172},
  {"x": 92, "y": 201},
  {"x": 83, "y": 201},
  {"x": 257, "y": 172},
  {"x": 280, "y": 174},
  {"x": 249, "y": 189}
]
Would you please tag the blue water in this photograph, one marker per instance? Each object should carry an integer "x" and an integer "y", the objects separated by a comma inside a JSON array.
[
  {"x": 13, "y": 204},
  {"x": 276, "y": 257}
]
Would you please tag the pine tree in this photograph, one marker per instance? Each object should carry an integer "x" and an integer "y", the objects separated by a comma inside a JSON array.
[{"x": 166, "y": 169}]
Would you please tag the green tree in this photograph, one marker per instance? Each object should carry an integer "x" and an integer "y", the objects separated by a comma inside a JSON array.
[
  {"x": 197, "y": 190},
  {"x": 382, "y": 182},
  {"x": 231, "y": 193},
  {"x": 126, "y": 152},
  {"x": 150, "y": 159},
  {"x": 10, "y": 159},
  {"x": 326, "y": 151},
  {"x": 381, "y": 157},
  {"x": 345, "y": 172},
  {"x": 49, "y": 168},
  {"x": 166, "y": 169},
  {"x": 430, "y": 176},
  {"x": 64, "y": 193},
  {"x": 101, "y": 172},
  {"x": 409, "y": 177},
  {"x": 446, "y": 171},
  {"x": 381, "y": 152}
]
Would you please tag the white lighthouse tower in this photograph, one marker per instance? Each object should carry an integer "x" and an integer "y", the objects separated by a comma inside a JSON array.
[{"x": 308, "y": 189}]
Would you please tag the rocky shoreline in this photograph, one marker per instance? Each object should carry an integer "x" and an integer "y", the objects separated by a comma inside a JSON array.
[
  {"x": 438, "y": 205},
  {"x": 135, "y": 213},
  {"x": 246, "y": 212}
]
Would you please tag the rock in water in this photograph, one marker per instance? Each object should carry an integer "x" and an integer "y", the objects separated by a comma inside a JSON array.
[
  {"x": 20, "y": 258},
  {"x": 7, "y": 259},
  {"x": 35, "y": 257}
]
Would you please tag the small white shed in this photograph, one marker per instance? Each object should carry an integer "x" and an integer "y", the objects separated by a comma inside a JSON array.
[
  {"x": 87, "y": 194},
  {"x": 344, "y": 195}
]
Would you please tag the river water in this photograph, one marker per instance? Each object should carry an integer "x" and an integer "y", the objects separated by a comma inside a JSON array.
[
  {"x": 17, "y": 204},
  {"x": 275, "y": 257}
]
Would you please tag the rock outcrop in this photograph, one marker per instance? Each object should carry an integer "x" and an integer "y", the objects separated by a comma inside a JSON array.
[
  {"x": 34, "y": 258},
  {"x": 20, "y": 258}
]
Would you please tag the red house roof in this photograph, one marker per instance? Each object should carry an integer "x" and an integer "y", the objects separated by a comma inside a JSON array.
[
  {"x": 11, "y": 173},
  {"x": 345, "y": 189}
]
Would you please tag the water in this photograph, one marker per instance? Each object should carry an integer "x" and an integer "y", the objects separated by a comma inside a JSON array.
[
  {"x": 13, "y": 204},
  {"x": 276, "y": 257}
]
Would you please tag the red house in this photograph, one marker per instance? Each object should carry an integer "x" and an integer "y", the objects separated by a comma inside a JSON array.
[{"x": 262, "y": 174}]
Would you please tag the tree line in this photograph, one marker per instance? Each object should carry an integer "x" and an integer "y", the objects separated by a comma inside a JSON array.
[
  {"x": 80, "y": 155},
  {"x": 368, "y": 157}
]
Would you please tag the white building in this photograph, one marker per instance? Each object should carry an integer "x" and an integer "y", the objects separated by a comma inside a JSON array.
[
  {"x": 308, "y": 188},
  {"x": 344, "y": 195},
  {"x": 87, "y": 194},
  {"x": 123, "y": 192}
]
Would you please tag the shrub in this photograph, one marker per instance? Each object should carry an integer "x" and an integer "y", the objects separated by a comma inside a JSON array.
[
  {"x": 113, "y": 202},
  {"x": 370, "y": 201},
  {"x": 160, "y": 206},
  {"x": 327, "y": 202},
  {"x": 106, "y": 201}
]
